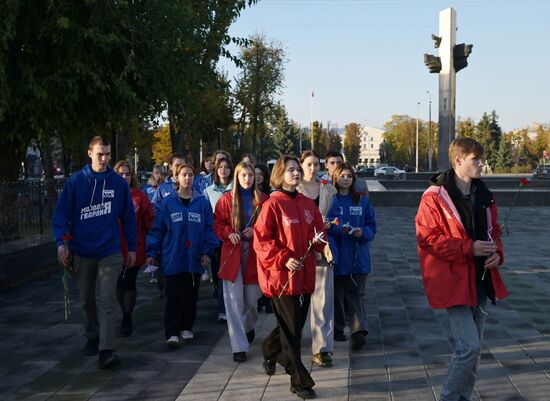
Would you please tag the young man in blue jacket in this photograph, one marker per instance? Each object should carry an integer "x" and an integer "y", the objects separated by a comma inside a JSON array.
[{"x": 86, "y": 230}]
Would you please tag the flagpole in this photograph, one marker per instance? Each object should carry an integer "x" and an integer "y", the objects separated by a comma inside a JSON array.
[{"x": 311, "y": 119}]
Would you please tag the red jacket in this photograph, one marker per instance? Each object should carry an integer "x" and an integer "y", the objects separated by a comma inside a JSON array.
[
  {"x": 283, "y": 231},
  {"x": 230, "y": 264},
  {"x": 144, "y": 220},
  {"x": 445, "y": 252}
]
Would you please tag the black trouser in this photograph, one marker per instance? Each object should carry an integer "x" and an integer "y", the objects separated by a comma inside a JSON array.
[
  {"x": 126, "y": 289},
  {"x": 349, "y": 290},
  {"x": 283, "y": 343},
  {"x": 182, "y": 291}
]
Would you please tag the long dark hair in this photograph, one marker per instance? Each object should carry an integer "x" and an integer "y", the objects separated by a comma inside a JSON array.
[
  {"x": 355, "y": 196},
  {"x": 264, "y": 186}
]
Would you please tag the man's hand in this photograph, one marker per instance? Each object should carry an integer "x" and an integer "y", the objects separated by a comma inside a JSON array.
[
  {"x": 293, "y": 264},
  {"x": 131, "y": 259},
  {"x": 63, "y": 255},
  {"x": 357, "y": 232},
  {"x": 483, "y": 248},
  {"x": 235, "y": 238},
  {"x": 205, "y": 261},
  {"x": 492, "y": 261}
]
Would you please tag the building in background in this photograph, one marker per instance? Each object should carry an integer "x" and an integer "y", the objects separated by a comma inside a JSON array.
[{"x": 371, "y": 138}]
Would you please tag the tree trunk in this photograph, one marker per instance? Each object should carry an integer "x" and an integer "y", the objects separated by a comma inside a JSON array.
[{"x": 13, "y": 154}]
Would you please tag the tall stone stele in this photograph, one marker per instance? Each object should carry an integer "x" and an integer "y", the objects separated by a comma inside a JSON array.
[{"x": 452, "y": 58}]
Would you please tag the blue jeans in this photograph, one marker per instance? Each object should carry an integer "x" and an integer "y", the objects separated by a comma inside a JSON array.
[{"x": 467, "y": 326}]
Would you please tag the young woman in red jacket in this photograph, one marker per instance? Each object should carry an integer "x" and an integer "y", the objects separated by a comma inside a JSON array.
[
  {"x": 236, "y": 213},
  {"x": 126, "y": 285},
  {"x": 285, "y": 228}
]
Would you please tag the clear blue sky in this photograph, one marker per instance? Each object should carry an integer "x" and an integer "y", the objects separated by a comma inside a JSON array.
[{"x": 364, "y": 58}]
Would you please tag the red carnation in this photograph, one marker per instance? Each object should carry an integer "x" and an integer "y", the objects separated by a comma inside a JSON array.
[
  {"x": 324, "y": 182},
  {"x": 336, "y": 221},
  {"x": 188, "y": 244},
  {"x": 67, "y": 237},
  {"x": 523, "y": 182}
]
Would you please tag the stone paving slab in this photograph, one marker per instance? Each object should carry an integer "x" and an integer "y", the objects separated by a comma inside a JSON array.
[{"x": 406, "y": 357}]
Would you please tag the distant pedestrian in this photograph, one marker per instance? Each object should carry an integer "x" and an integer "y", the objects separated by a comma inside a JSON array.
[
  {"x": 169, "y": 185},
  {"x": 126, "y": 286},
  {"x": 92, "y": 204},
  {"x": 286, "y": 270},
  {"x": 182, "y": 240},
  {"x": 350, "y": 244},
  {"x": 333, "y": 159},
  {"x": 204, "y": 178},
  {"x": 234, "y": 218},
  {"x": 322, "y": 300},
  {"x": 154, "y": 181},
  {"x": 459, "y": 249},
  {"x": 249, "y": 158}
]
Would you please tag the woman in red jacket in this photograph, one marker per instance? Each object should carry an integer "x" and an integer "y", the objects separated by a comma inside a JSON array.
[
  {"x": 126, "y": 286},
  {"x": 285, "y": 228},
  {"x": 236, "y": 213}
]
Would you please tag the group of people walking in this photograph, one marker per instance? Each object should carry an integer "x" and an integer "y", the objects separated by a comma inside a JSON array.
[{"x": 289, "y": 241}]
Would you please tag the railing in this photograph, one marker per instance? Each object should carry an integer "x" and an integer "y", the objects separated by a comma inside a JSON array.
[{"x": 26, "y": 208}]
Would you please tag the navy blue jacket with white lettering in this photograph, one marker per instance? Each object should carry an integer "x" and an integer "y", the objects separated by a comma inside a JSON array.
[
  {"x": 89, "y": 210},
  {"x": 181, "y": 235},
  {"x": 351, "y": 255}
]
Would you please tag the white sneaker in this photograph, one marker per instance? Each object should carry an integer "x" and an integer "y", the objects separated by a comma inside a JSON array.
[
  {"x": 187, "y": 335},
  {"x": 205, "y": 276},
  {"x": 173, "y": 341}
]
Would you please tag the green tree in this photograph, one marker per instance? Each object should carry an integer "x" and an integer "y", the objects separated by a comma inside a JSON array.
[
  {"x": 284, "y": 132},
  {"x": 259, "y": 82},
  {"x": 352, "y": 142},
  {"x": 542, "y": 141},
  {"x": 465, "y": 128},
  {"x": 400, "y": 135},
  {"x": 504, "y": 158},
  {"x": 334, "y": 142}
]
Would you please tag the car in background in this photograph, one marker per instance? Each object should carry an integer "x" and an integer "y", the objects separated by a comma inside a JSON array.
[
  {"x": 364, "y": 171},
  {"x": 389, "y": 172}
]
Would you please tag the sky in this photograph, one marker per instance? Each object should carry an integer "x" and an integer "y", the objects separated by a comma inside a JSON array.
[{"x": 363, "y": 59}]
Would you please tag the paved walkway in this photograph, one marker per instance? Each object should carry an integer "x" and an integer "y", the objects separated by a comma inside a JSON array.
[{"x": 405, "y": 358}]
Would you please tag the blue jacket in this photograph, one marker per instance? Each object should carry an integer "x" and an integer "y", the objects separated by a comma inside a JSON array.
[
  {"x": 201, "y": 182},
  {"x": 89, "y": 209},
  {"x": 165, "y": 188},
  {"x": 181, "y": 235},
  {"x": 149, "y": 190},
  {"x": 351, "y": 255}
]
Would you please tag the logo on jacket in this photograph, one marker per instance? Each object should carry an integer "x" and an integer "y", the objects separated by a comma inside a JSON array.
[
  {"x": 176, "y": 217},
  {"x": 108, "y": 193},
  {"x": 287, "y": 221},
  {"x": 194, "y": 217},
  {"x": 91, "y": 211},
  {"x": 308, "y": 216},
  {"x": 355, "y": 211}
]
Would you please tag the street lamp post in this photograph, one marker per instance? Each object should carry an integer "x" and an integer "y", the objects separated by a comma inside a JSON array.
[
  {"x": 418, "y": 106},
  {"x": 429, "y": 131},
  {"x": 219, "y": 137}
]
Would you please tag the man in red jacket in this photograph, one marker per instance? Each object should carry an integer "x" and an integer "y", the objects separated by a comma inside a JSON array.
[{"x": 459, "y": 249}]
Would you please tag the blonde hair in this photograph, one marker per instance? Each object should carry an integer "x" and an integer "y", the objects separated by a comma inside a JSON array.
[
  {"x": 237, "y": 209},
  {"x": 277, "y": 174},
  {"x": 133, "y": 180}
]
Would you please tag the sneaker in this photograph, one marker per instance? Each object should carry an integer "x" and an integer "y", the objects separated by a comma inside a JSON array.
[
  {"x": 357, "y": 341},
  {"x": 250, "y": 336},
  {"x": 173, "y": 342},
  {"x": 91, "y": 347},
  {"x": 205, "y": 277},
  {"x": 239, "y": 357},
  {"x": 340, "y": 336},
  {"x": 222, "y": 318},
  {"x": 187, "y": 335},
  {"x": 303, "y": 393},
  {"x": 270, "y": 367},
  {"x": 108, "y": 359},
  {"x": 322, "y": 359}
]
